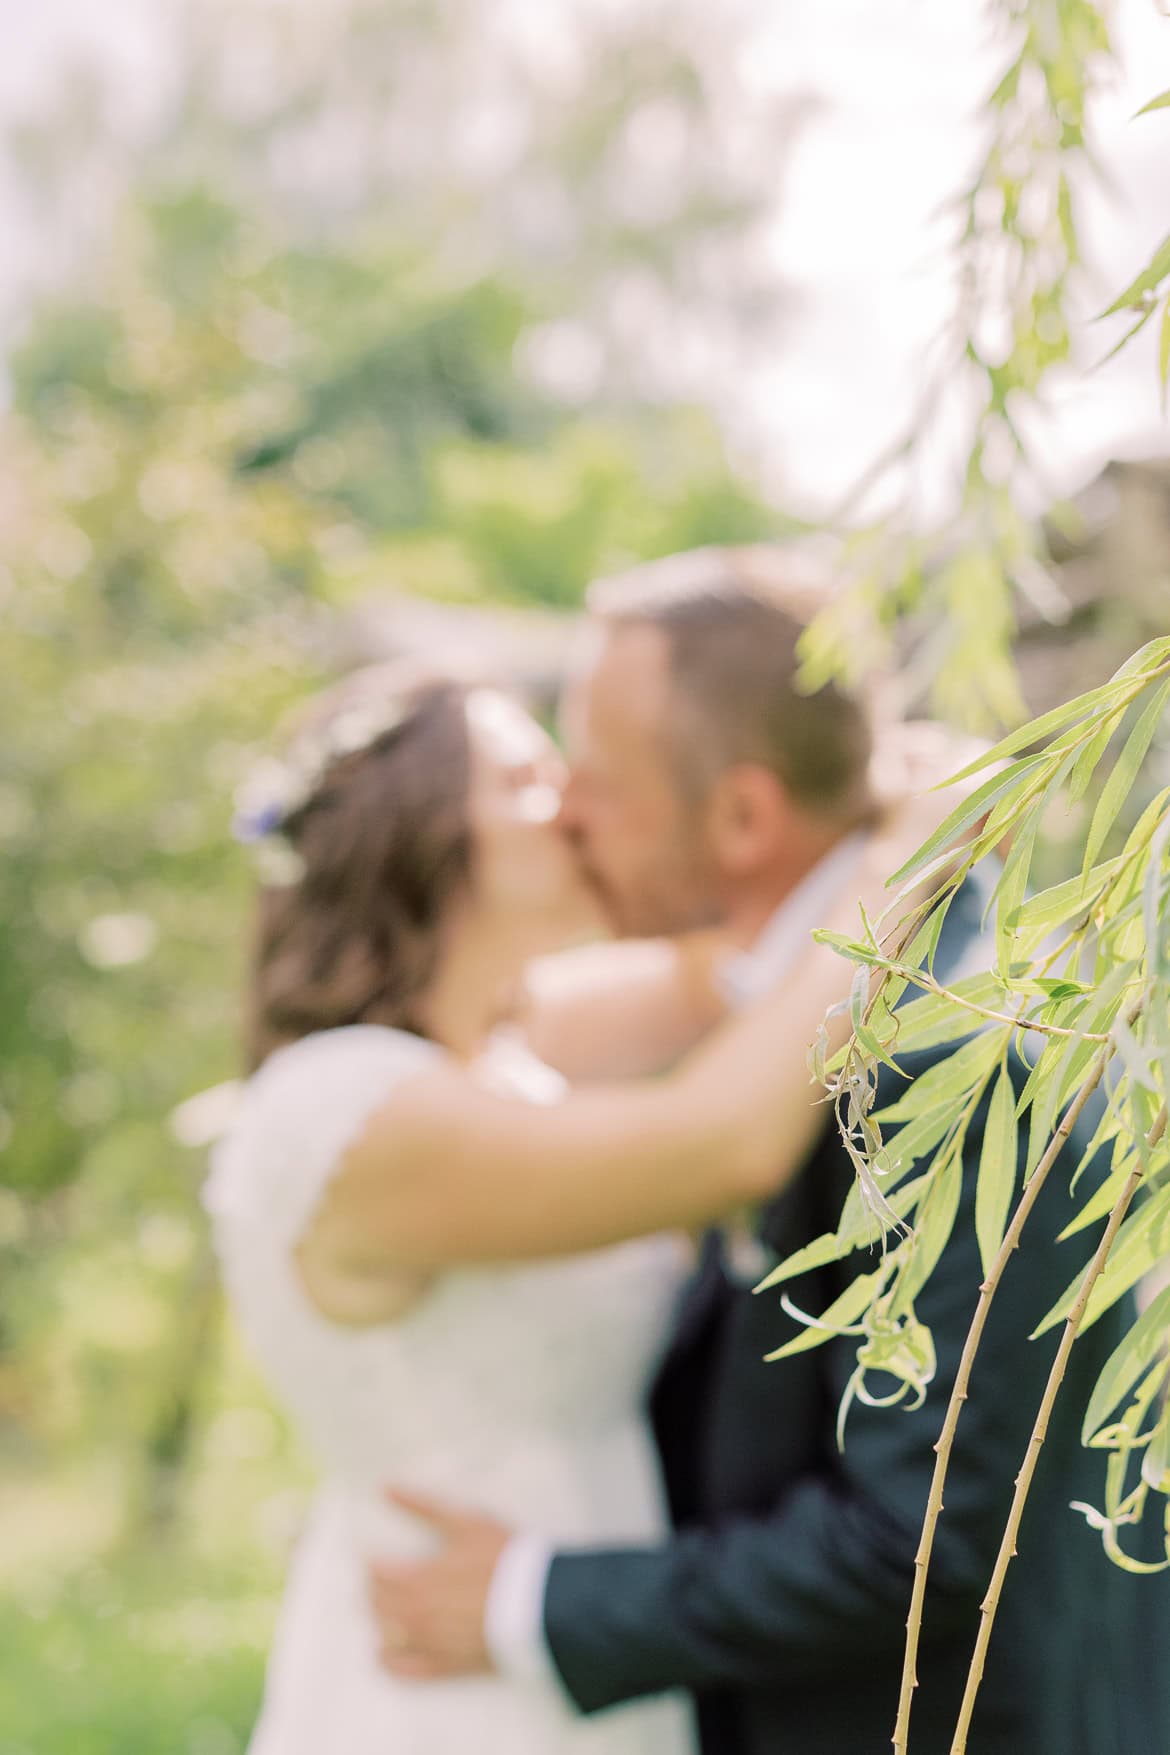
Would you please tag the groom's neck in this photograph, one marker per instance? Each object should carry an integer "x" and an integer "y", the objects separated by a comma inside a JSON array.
[{"x": 752, "y": 900}]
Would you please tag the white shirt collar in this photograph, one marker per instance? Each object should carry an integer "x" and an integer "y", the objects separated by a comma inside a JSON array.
[{"x": 785, "y": 936}]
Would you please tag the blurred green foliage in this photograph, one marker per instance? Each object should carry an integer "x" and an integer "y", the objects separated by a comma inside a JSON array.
[
  {"x": 262, "y": 400},
  {"x": 203, "y": 469}
]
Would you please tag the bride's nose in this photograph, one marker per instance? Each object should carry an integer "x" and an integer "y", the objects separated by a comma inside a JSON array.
[{"x": 539, "y": 802}]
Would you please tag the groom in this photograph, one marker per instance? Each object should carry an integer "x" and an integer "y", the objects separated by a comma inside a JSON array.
[{"x": 706, "y": 786}]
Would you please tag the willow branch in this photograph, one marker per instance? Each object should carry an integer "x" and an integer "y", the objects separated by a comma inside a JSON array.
[
  {"x": 1007, "y": 1547},
  {"x": 943, "y": 1447},
  {"x": 1017, "y": 1021}
]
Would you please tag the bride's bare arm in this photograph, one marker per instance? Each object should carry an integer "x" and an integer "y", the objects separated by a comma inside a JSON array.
[
  {"x": 624, "y": 1009},
  {"x": 448, "y": 1172}
]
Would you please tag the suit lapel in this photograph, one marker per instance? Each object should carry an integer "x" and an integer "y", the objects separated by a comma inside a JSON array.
[
  {"x": 700, "y": 1296},
  {"x": 725, "y": 1267}
]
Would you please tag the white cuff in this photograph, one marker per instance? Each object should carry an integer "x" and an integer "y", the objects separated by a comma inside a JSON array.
[{"x": 513, "y": 1617}]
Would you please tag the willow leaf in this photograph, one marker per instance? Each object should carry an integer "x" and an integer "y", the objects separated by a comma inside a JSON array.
[
  {"x": 838, "y": 1319},
  {"x": 1048, "y": 1097},
  {"x": 1137, "y": 1062},
  {"x": 819, "y": 1253},
  {"x": 932, "y": 1233},
  {"x": 852, "y": 948},
  {"x": 1043, "y": 913},
  {"x": 935, "y": 1018},
  {"x": 1140, "y": 1243},
  {"x": 1086, "y": 763},
  {"x": 976, "y": 805},
  {"x": 1151, "y": 275},
  {"x": 1036, "y": 730},
  {"x": 997, "y": 1170},
  {"x": 1156, "y": 1461},
  {"x": 1127, "y": 1363},
  {"x": 1123, "y": 342},
  {"x": 1125, "y": 771},
  {"x": 947, "y": 1079},
  {"x": 1147, "y": 823},
  {"x": 1011, "y": 888},
  {"x": 1101, "y": 1202},
  {"x": 860, "y": 1226},
  {"x": 1154, "y": 891},
  {"x": 914, "y": 1141}
]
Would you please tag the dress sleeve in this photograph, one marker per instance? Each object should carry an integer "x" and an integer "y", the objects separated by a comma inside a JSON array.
[{"x": 299, "y": 1115}]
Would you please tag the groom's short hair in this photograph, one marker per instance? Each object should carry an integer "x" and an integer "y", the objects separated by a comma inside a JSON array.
[{"x": 733, "y": 619}]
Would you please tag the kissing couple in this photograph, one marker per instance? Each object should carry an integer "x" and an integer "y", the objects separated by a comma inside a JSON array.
[{"x": 500, "y": 1188}]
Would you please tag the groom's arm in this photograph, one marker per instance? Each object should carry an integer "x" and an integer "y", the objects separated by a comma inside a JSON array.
[{"x": 826, "y": 1575}]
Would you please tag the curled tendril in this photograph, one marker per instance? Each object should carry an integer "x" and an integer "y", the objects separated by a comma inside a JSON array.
[{"x": 1128, "y": 1439}]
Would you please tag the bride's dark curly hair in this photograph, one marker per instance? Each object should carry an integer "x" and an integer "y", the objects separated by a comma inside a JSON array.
[{"x": 375, "y": 847}]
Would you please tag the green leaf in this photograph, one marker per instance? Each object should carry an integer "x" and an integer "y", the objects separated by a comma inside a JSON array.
[
  {"x": 913, "y": 1141},
  {"x": 932, "y": 1233},
  {"x": 861, "y": 1226},
  {"x": 997, "y": 1170},
  {"x": 1048, "y": 1095},
  {"x": 1154, "y": 889},
  {"x": 935, "y": 1018},
  {"x": 1125, "y": 771},
  {"x": 1137, "y": 1060},
  {"x": 1101, "y": 1202},
  {"x": 1091, "y": 754},
  {"x": 838, "y": 1319},
  {"x": 1108, "y": 1132},
  {"x": 1156, "y": 1462},
  {"x": 1040, "y": 1069},
  {"x": 1129, "y": 1361},
  {"x": 947, "y": 1079},
  {"x": 1134, "y": 329},
  {"x": 867, "y": 1038},
  {"x": 1147, "y": 823},
  {"x": 822, "y": 1250},
  {"x": 1036, "y": 730},
  {"x": 1142, "y": 1241},
  {"x": 1010, "y": 890},
  {"x": 976, "y": 805},
  {"x": 1161, "y": 102},
  {"x": 1041, "y": 914},
  {"x": 1144, "y": 662},
  {"x": 920, "y": 951},
  {"x": 1149, "y": 278},
  {"x": 854, "y": 949}
]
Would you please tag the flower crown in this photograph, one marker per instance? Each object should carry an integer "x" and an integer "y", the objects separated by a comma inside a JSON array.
[{"x": 277, "y": 790}]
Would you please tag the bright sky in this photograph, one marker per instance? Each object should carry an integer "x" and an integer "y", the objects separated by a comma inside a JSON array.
[{"x": 901, "y": 84}]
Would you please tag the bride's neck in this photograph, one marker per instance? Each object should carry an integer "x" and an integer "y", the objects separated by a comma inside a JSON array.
[{"x": 472, "y": 990}]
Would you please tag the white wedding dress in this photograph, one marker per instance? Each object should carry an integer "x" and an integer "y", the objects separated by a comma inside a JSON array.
[{"x": 515, "y": 1390}]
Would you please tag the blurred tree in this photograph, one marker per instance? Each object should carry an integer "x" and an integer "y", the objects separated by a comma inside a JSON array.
[{"x": 293, "y": 374}]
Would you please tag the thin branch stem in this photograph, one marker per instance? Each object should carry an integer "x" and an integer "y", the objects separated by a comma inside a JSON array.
[
  {"x": 930, "y": 985},
  {"x": 1007, "y": 1548},
  {"x": 943, "y": 1447}
]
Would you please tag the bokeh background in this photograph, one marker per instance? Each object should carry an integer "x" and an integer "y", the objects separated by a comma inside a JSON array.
[{"x": 332, "y": 328}]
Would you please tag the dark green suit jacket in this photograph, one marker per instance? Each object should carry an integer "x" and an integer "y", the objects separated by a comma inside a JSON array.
[{"x": 781, "y": 1600}]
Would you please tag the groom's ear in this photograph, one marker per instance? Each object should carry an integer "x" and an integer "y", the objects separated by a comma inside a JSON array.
[{"x": 747, "y": 811}]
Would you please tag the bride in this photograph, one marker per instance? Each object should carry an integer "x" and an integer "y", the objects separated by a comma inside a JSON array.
[{"x": 456, "y": 1273}]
